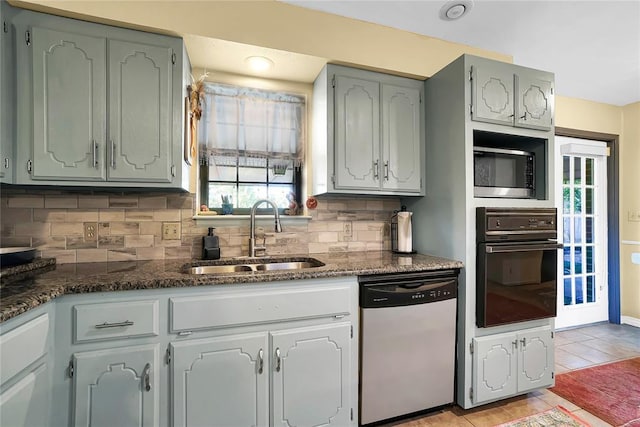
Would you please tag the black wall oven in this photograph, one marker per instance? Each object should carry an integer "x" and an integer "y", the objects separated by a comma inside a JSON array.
[{"x": 517, "y": 255}]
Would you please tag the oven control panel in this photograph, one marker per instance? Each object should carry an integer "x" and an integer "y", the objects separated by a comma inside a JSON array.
[{"x": 515, "y": 224}]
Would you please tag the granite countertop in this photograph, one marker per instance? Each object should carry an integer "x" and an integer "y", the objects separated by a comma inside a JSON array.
[{"x": 28, "y": 286}]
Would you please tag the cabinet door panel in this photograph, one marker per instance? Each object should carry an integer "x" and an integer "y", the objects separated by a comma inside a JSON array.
[
  {"x": 492, "y": 94},
  {"x": 110, "y": 387},
  {"x": 494, "y": 367},
  {"x": 534, "y": 107},
  {"x": 7, "y": 96},
  {"x": 69, "y": 102},
  {"x": 218, "y": 381},
  {"x": 26, "y": 403},
  {"x": 536, "y": 359},
  {"x": 311, "y": 380},
  {"x": 401, "y": 121},
  {"x": 140, "y": 119},
  {"x": 357, "y": 133}
]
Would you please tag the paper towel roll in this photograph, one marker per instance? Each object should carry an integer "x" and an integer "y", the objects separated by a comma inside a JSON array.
[{"x": 404, "y": 232}]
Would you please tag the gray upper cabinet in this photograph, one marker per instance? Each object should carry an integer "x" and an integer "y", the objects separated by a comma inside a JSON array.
[
  {"x": 357, "y": 135},
  {"x": 401, "y": 137},
  {"x": 7, "y": 93},
  {"x": 511, "y": 95},
  {"x": 140, "y": 114},
  {"x": 101, "y": 106},
  {"x": 368, "y": 133},
  {"x": 69, "y": 100}
]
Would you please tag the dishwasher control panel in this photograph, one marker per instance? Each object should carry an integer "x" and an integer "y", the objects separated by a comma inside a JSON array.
[{"x": 407, "y": 292}]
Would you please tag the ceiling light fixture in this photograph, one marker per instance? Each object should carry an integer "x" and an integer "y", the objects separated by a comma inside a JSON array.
[
  {"x": 455, "y": 9},
  {"x": 259, "y": 64}
]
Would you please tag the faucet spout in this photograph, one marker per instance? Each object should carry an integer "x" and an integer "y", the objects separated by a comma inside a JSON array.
[{"x": 252, "y": 237}]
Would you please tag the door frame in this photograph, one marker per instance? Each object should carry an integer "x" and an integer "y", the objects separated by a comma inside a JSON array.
[{"x": 613, "y": 212}]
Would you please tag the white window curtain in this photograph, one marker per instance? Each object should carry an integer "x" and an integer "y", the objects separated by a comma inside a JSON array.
[{"x": 239, "y": 122}]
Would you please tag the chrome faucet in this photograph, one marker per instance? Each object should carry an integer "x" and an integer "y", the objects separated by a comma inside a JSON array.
[{"x": 252, "y": 238}]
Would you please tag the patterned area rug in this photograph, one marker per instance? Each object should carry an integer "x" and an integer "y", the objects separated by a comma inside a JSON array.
[
  {"x": 611, "y": 392},
  {"x": 556, "y": 417}
]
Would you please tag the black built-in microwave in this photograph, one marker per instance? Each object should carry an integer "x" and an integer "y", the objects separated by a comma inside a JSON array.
[{"x": 500, "y": 172}]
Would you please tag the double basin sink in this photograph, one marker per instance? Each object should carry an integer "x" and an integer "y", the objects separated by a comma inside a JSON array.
[{"x": 252, "y": 265}]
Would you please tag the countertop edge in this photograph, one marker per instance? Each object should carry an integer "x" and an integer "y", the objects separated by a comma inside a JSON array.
[{"x": 32, "y": 298}]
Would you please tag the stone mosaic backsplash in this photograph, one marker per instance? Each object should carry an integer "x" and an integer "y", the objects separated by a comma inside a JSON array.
[{"x": 129, "y": 226}]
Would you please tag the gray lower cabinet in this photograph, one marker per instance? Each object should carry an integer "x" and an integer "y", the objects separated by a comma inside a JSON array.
[
  {"x": 268, "y": 354},
  {"x": 510, "y": 95},
  {"x": 288, "y": 377},
  {"x": 511, "y": 363},
  {"x": 369, "y": 133},
  {"x": 221, "y": 381},
  {"x": 99, "y": 105},
  {"x": 25, "y": 369},
  {"x": 310, "y": 375},
  {"x": 117, "y": 387}
]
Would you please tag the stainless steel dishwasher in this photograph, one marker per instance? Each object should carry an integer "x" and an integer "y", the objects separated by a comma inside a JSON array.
[{"x": 407, "y": 343}]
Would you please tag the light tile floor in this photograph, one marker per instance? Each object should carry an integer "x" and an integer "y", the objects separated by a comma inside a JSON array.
[{"x": 575, "y": 349}]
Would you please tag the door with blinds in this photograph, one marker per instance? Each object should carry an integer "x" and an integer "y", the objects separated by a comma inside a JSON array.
[{"x": 581, "y": 180}]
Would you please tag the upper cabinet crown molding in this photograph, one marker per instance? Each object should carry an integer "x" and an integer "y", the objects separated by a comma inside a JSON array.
[
  {"x": 98, "y": 105},
  {"x": 368, "y": 133}
]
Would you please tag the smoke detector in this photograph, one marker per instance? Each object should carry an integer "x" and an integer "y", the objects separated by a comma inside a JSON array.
[{"x": 455, "y": 9}]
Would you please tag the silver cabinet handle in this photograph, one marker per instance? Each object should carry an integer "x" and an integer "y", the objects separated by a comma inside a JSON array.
[
  {"x": 524, "y": 117},
  {"x": 386, "y": 170},
  {"x": 523, "y": 341},
  {"x": 278, "y": 359},
  {"x": 260, "y": 361},
  {"x": 114, "y": 325},
  {"x": 376, "y": 172},
  {"x": 113, "y": 154},
  {"x": 146, "y": 376},
  {"x": 94, "y": 152}
]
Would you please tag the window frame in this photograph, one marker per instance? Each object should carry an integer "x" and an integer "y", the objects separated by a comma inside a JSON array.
[{"x": 205, "y": 182}]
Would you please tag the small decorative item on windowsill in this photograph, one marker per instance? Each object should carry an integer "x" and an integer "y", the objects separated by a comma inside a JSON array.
[
  {"x": 227, "y": 205},
  {"x": 293, "y": 205}
]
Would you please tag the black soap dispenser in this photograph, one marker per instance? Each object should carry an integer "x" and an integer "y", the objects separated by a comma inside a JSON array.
[{"x": 210, "y": 245}]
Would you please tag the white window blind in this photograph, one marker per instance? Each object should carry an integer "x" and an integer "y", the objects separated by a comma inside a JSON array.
[{"x": 239, "y": 122}]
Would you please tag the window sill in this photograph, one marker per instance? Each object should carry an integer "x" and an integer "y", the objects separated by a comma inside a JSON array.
[{"x": 240, "y": 220}]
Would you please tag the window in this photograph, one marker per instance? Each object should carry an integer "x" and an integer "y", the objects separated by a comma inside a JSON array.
[{"x": 251, "y": 147}]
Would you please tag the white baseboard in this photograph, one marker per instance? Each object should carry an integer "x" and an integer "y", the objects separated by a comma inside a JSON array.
[{"x": 628, "y": 320}]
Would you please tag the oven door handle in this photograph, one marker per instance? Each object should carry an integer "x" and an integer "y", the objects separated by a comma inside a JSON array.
[{"x": 494, "y": 249}]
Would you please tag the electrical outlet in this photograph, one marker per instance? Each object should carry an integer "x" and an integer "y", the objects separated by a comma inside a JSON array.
[
  {"x": 170, "y": 231},
  {"x": 90, "y": 231},
  {"x": 347, "y": 228},
  {"x": 633, "y": 216}
]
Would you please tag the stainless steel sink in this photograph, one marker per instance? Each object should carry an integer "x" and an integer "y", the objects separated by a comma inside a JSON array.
[{"x": 253, "y": 265}]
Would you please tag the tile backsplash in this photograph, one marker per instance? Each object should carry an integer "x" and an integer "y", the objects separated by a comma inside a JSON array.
[{"x": 129, "y": 226}]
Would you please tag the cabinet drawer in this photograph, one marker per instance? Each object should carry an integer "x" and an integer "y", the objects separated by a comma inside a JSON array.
[
  {"x": 22, "y": 346},
  {"x": 115, "y": 320},
  {"x": 243, "y": 308}
]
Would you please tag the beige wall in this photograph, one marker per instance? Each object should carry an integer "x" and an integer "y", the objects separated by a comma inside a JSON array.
[
  {"x": 625, "y": 122},
  {"x": 630, "y": 202}
]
